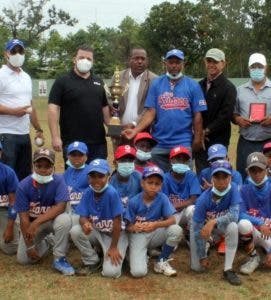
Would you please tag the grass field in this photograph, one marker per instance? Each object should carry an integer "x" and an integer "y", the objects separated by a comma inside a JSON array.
[{"x": 41, "y": 282}]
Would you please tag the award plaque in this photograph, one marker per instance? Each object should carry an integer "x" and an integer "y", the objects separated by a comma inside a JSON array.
[{"x": 257, "y": 112}]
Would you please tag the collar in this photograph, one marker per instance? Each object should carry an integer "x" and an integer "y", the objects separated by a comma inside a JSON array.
[
  {"x": 249, "y": 84},
  {"x": 138, "y": 77},
  {"x": 217, "y": 80},
  {"x": 10, "y": 71}
]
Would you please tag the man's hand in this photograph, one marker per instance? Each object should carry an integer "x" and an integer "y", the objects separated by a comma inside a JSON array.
[
  {"x": 207, "y": 229},
  {"x": 57, "y": 144},
  {"x": 8, "y": 235},
  {"x": 20, "y": 111},
  {"x": 129, "y": 134},
  {"x": 87, "y": 228},
  {"x": 31, "y": 231},
  {"x": 115, "y": 256},
  {"x": 243, "y": 122},
  {"x": 265, "y": 231},
  {"x": 266, "y": 121},
  {"x": 197, "y": 145},
  {"x": 33, "y": 254}
]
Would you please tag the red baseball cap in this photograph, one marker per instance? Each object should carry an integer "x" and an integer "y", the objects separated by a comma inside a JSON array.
[
  {"x": 145, "y": 136},
  {"x": 267, "y": 147},
  {"x": 124, "y": 150},
  {"x": 179, "y": 150}
]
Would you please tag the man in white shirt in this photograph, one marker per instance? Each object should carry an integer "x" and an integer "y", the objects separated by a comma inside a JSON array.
[{"x": 16, "y": 110}]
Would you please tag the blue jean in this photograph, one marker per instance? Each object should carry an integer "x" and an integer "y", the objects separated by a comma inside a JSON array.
[{"x": 17, "y": 153}]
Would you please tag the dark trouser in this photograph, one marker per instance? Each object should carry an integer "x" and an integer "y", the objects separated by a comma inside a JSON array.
[
  {"x": 244, "y": 148},
  {"x": 94, "y": 151},
  {"x": 201, "y": 160},
  {"x": 17, "y": 153}
]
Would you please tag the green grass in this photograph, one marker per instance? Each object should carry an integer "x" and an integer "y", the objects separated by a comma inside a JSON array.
[{"x": 41, "y": 282}]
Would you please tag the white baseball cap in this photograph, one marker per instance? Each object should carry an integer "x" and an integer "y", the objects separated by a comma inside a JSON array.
[{"x": 257, "y": 58}]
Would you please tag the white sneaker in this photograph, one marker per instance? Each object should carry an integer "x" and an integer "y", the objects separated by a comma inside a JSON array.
[
  {"x": 251, "y": 265},
  {"x": 163, "y": 267}
]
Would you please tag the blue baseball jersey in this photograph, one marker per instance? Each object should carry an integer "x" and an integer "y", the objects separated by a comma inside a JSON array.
[
  {"x": 207, "y": 175},
  {"x": 77, "y": 182},
  {"x": 38, "y": 198},
  {"x": 127, "y": 189},
  {"x": 139, "y": 211},
  {"x": 256, "y": 203},
  {"x": 175, "y": 108},
  {"x": 8, "y": 184},
  {"x": 206, "y": 208},
  {"x": 178, "y": 191},
  {"x": 101, "y": 210}
]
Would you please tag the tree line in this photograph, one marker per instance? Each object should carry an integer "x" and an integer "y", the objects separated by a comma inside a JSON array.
[{"x": 238, "y": 27}]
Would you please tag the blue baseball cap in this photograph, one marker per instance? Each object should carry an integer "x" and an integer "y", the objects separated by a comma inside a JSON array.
[
  {"x": 217, "y": 151},
  {"x": 152, "y": 170},
  {"x": 12, "y": 43},
  {"x": 99, "y": 165},
  {"x": 78, "y": 146},
  {"x": 175, "y": 53},
  {"x": 221, "y": 166}
]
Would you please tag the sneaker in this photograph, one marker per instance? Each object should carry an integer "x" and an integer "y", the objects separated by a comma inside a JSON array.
[
  {"x": 251, "y": 265},
  {"x": 221, "y": 246},
  {"x": 231, "y": 277},
  {"x": 163, "y": 267},
  {"x": 86, "y": 270},
  {"x": 63, "y": 266}
]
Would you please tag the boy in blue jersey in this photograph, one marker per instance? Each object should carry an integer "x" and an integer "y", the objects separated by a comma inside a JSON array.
[
  {"x": 216, "y": 213},
  {"x": 76, "y": 176},
  {"x": 217, "y": 152},
  {"x": 181, "y": 185},
  {"x": 255, "y": 213},
  {"x": 151, "y": 223},
  {"x": 41, "y": 202},
  {"x": 100, "y": 211},
  {"x": 9, "y": 234},
  {"x": 125, "y": 179}
]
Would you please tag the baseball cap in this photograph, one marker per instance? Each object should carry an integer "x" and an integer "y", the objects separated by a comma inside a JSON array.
[
  {"x": 266, "y": 147},
  {"x": 217, "y": 151},
  {"x": 179, "y": 150},
  {"x": 221, "y": 166},
  {"x": 44, "y": 153},
  {"x": 12, "y": 43},
  {"x": 256, "y": 159},
  {"x": 257, "y": 58},
  {"x": 215, "y": 54},
  {"x": 152, "y": 170},
  {"x": 99, "y": 165},
  {"x": 125, "y": 150},
  {"x": 175, "y": 53},
  {"x": 145, "y": 136},
  {"x": 78, "y": 146}
]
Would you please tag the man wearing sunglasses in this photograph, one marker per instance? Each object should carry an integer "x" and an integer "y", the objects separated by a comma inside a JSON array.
[{"x": 16, "y": 110}]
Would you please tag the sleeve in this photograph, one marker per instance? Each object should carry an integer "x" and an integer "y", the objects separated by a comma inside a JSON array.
[
  {"x": 22, "y": 201},
  {"x": 151, "y": 100},
  {"x": 83, "y": 209},
  {"x": 130, "y": 212},
  {"x": 200, "y": 242},
  {"x": 199, "y": 215},
  {"x": 237, "y": 179},
  {"x": 198, "y": 100},
  {"x": 167, "y": 208},
  {"x": 225, "y": 112},
  {"x": 62, "y": 193},
  {"x": 165, "y": 188},
  {"x": 56, "y": 91},
  {"x": 12, "y": 181},
  {"x": 116, "y": 204},
  {"x": 104, "y": 98},
  {"x": 236, "y": 109},
  {"x": 195, "y": 186}
]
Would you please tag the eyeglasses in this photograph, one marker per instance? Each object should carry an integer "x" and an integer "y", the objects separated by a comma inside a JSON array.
[{"x": 221, "y": 164}]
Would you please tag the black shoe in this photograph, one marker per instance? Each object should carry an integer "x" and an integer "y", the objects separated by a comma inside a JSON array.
[
  {"x": 231, "y": 277},
  {"x": 89, "y": 269}
]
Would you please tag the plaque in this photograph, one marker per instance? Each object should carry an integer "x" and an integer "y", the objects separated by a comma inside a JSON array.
[{"x": 257, "y": 112}]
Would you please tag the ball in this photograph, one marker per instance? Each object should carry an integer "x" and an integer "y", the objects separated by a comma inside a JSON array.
[{"x": 39, "y": 141}]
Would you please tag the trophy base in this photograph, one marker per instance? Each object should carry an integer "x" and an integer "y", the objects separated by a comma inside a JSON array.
[{"x": 114, "y": 130}]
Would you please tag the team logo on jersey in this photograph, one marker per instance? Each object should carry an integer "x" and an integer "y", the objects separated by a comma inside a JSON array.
[
  {"x": 3, "y": 200},
  {"x": 35, "y": 209},
  {"x": 175, "y": 199},
  {"x": 215, "y": 214},
  {"x": 202, "y": 102},
  {"x": 167, "y": 101}
]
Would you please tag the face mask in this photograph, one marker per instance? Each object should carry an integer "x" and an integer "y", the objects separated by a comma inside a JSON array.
[
  {"x": 101, "y": 190},
  {"x": 180, "y": 168},
  {"x": 69, "y": 164},
  {"x": 125, "y": 169},
  {"x": 223, "y": 193},
  {"x": 257, "y": 74},
  {"x": 42, "y": 179},
  {"x": 16, "y": 60},
  {"x": 258, "y": 184},
  {"x": 142, "y": 155},
  {"x": 84, "y": 65},
  {"x": 174, "y": 77}
]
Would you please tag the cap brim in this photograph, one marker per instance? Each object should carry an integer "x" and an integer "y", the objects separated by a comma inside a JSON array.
[
  {"x": 43, "y": 156},
  {"x": 222, "y": 170},
  {"x": 73, "y": 150},
  {"x": 151, "y": 174},
  {"x": 213, "y": 57},
  {"x": 99, "y": 170},
  {"x": 257, "y": 164},
  {"x": 216, "y": 156}
]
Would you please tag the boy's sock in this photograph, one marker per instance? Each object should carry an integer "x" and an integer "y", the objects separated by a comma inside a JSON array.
[{"x": 166, "y": 251}]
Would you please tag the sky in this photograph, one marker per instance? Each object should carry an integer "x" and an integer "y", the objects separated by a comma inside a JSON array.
[{"x": 106, "y": 13}]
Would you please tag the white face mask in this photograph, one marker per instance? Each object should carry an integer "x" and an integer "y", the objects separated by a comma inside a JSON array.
[
  {"x": 101, "y": 190},
  {"x": 16, "y": 60},
  {"x": 42, "y": 179},
  {"x": 84, "y": 65},
  {"x": 68, "y": 163},
  {"x": 174, "y": 77}
]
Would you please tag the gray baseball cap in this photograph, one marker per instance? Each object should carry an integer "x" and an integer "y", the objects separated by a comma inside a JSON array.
[
  {"x": 215, "y": 54},
  {"x": 256, "y": 159}
]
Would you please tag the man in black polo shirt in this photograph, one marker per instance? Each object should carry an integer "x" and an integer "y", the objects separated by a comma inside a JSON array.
[
  {"x": 220, "y": 95},
  {"x": 77, "y": 102}
]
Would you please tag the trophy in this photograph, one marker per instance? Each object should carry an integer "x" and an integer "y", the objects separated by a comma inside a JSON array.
[{"x": 115, "y": 91}]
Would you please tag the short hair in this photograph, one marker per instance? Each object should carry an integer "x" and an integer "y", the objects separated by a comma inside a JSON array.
[
  {"x": 84, "y": 47},
  {"x": 137, "y": 48}
]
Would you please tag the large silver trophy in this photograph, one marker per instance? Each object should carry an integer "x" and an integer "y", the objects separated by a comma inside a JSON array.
[{"x": 115, "y": 91}]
